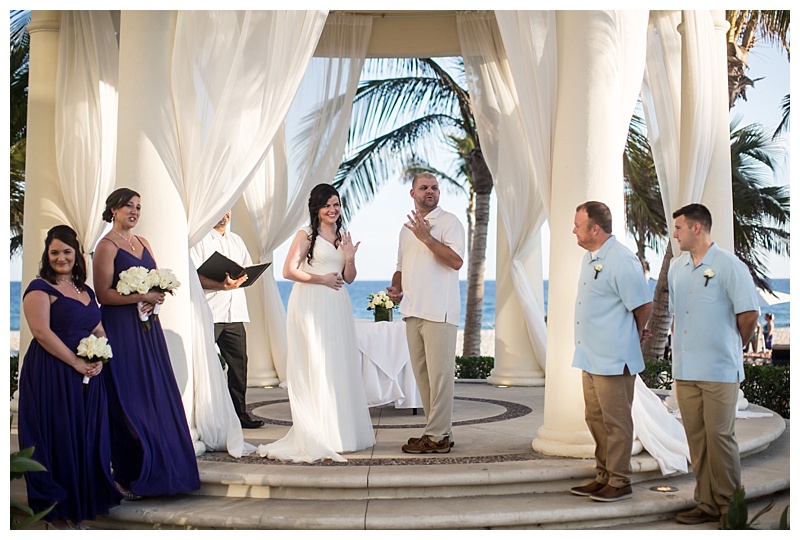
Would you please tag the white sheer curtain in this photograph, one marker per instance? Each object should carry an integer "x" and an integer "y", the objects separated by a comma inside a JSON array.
[
  {"x": 307, "y": 152},
  {"x": 518, "y": 153},
  {"x": 233, "y": 78},
  {"x": 661, "y": 101},
  {"x": 699, "y": 47},
  {"x": 86, "y": 119}
]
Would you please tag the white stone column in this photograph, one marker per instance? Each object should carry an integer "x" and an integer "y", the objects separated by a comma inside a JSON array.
[
  {"x": 260, "y": 368},
  {"x": 587, "y": 165},
  {"x": 514, "y": 362},
  {"x": 43, "y": 200},
  {"x": 145, "y": 133}
]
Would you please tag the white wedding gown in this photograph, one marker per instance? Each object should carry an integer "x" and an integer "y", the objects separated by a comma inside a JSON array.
[{"x": 323, "y": 372}]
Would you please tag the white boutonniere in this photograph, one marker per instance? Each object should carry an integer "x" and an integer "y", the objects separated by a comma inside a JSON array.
[
  {"x": 708, "y": 274},
  {"x": 597, "y": 268}
]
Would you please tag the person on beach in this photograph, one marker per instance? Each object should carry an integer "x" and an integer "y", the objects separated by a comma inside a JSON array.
[
  {"x": 323, "y": 371},
  {"x": 65, "y": 420},
  {"x": 715, "y": 306},
  {"x": 151, "y": 448},
  {"x": 769, "y": 328},
  {"x": 611, "y": 313},
  {"x": 429, "y": 256}
]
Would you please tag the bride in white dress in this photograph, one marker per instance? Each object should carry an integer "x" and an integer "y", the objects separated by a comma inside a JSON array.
[{"x": 326, "y": 394}]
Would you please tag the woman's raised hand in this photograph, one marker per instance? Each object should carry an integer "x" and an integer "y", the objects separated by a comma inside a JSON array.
[{"x": 348, "y": 247}]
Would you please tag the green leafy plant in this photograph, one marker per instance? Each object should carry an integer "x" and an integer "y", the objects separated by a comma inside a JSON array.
[
  {"x": 737, "y": 518},
  {"x": 22, "y": 462},
  {"x": 767, "y": 386},
  {"x": 657, "y": 374},
  {"x": 474, "y": 367},
  {"x": 14, "y": 373}
]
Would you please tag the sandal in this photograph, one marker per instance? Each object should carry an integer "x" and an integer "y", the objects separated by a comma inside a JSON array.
[{"x": 130, "y": 496}]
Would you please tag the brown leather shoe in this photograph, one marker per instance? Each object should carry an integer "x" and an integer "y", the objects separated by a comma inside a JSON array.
[
  {"x": 426, "y": 445},
  {"x": 611, "y": 493},
  {"x": 415, "y": 440},
  {"x": 695, "y": 516},
  {"x": 588, "y": 489}
]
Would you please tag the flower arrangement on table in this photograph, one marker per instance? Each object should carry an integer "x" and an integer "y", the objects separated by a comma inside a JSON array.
[
  {"x": 138, "y": 279},
  {"x": 382, "y": 305},
  {"x": 93, "y": 349}
]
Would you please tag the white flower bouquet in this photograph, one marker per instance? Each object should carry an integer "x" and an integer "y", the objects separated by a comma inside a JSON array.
[
  {"x": 138, "y": 279},
  {"x": 93, "y": 349},
  {"x": 165, "y": 281},
  {"x": 382, "y": 305}
]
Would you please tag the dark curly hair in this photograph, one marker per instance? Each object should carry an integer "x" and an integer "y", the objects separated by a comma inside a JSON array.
[
  {"x": 316, "y": 201},
  {"x": 117, "y": 199},
  {"x": 65, "y": 234}
]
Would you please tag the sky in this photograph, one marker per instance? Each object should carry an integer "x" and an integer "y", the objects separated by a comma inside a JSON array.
[{"x": 377, "y": 225}]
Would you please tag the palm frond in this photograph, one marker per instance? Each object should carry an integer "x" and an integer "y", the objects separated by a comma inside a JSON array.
[
  {"x": 360, "y": 175},
  {"x": 784, "y": 123}
]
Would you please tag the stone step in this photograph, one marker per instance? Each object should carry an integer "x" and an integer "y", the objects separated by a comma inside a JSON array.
[{"x": 446, "y": 504}]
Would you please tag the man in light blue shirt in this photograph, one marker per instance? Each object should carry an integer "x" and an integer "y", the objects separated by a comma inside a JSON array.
[
  {"x": 611, "y": 312},
  {"x": 714, "y": 302}
]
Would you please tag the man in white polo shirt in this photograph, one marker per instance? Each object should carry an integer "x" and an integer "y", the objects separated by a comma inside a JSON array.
[
  {"x": 228, "y": 303},
  {"x": 430, "y": 254}
]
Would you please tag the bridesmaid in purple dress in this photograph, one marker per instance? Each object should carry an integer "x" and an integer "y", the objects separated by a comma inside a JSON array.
[
  {"x": 151, "y": 448},
  {"x": 67, "y": 424}
]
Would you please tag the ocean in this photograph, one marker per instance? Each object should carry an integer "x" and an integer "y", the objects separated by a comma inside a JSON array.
[{"x": 360, "y": 289}]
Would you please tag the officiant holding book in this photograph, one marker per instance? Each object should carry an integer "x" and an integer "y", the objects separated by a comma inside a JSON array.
[{"x": 229, "y": 306}]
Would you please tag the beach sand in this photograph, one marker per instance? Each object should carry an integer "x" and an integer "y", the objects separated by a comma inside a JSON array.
[{"x": 782, "y": 336}]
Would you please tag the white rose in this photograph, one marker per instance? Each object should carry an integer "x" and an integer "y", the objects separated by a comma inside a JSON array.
[{"x": 389, "y": 304}]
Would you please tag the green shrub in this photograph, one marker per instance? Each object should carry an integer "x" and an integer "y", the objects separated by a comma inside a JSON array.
[
  {"x": 14, "y": 374},
  {"x": 767, "y": 386},
  {"x": 657, "y": 374},
  {"x": 474, "y": 367}
]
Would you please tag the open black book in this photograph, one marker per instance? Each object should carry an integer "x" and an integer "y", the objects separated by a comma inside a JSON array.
[{"x": 218, "y": 264}]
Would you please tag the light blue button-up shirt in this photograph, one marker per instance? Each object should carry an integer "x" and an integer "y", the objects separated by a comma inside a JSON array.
[
  {"x": 606, "y": 337},
  {"x": 706, "y": 344}
]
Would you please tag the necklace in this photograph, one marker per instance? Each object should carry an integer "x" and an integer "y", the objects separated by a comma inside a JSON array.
[
  {"x": 128, "y": 239},
  {"x": 77, "y": 290}
]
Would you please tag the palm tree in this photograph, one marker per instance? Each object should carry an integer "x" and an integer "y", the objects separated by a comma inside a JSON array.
[
  {"x": 18, "y": 116},
  {"x": 747, "y": 27},
  {"x": 760, "y": 211},
  {"x": 395, "y": 118}
]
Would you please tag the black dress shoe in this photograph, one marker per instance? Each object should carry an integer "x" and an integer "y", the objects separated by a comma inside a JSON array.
[{"x": 250, "y": 423}]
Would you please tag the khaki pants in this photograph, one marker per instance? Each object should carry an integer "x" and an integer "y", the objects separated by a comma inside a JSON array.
[
  {"x": 432, "y": 347},
  {"x": 608, "y": 400},
  {"x": 708, "y": 411}
]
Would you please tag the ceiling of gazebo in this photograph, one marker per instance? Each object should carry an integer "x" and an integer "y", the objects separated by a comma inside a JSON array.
[{"x": 409, "y": 34}]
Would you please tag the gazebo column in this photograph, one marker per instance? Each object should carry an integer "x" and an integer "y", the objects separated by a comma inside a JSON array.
[
  {"x": 514, "y": 361},
  {"x": 145, "y": 133},
  {"x": 260, "y": 368},
  {"x": 717, "y": 193},
  {"x": 43, "y": 200},
  {"x": 587, "y": 165}
]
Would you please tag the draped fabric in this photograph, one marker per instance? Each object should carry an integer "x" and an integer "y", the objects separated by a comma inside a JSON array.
[
  {"x": 661, "y": 101},
  {"x": 234, "y": 75},
  {"x": 306, "y": 152},
  {"x": 517, "y": 149},
  {"x": 86, "y": 119},
  {"x": 699, "y": 46}
]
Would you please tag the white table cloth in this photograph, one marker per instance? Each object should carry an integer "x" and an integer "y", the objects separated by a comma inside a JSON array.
[{"x": 386, "y": 365}]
